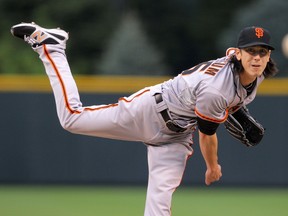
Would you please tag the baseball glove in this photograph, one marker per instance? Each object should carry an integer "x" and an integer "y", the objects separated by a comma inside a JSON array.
[{"x": 242, "y": 126}]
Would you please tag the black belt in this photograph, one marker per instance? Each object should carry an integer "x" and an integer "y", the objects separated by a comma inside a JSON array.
[{"x": 169, "y": 122}]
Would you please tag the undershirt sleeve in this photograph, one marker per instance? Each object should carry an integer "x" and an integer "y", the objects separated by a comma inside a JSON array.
[{"x": 207, "y": 127}]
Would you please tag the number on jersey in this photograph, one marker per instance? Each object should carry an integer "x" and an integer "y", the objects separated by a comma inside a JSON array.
[{"x": 209, "y": 67}]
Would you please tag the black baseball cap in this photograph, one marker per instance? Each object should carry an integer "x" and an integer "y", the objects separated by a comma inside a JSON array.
[{"x": 254, "y": 36}]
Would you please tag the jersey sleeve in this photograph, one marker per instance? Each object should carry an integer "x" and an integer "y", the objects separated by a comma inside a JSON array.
[{"x": 211, "y": 106}]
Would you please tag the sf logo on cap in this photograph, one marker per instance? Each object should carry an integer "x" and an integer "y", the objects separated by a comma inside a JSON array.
[{"x": 259, "y": 32}]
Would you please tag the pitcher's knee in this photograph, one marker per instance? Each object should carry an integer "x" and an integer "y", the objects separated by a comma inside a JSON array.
[
  {"x": 69, "y": 124},
  {"x": 158, "y": 203}
]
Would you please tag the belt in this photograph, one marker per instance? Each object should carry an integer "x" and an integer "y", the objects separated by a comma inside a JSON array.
[{"x": 165, "y": 115}]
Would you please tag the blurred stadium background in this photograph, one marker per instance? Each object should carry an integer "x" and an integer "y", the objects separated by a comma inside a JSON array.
[{"x": 44, "y": 170}]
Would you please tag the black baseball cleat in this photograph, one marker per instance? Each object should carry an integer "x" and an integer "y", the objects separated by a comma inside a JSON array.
[{"x": 36, "y": 36}]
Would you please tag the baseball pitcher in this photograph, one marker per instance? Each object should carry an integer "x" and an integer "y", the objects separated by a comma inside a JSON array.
[{"x": 165, "y": 116}]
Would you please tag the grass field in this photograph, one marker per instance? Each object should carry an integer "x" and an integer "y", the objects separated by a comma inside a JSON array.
[{"x": 129, "y": 201}]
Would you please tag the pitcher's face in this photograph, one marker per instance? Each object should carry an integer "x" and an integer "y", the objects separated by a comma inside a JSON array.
[{"x": 254, "y": 60}]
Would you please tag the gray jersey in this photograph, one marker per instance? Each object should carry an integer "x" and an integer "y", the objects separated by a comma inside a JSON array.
[{"x": 210, "y": 90}]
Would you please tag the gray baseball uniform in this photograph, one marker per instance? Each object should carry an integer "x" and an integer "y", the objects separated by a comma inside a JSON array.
[{"x": 163, "y": 116}]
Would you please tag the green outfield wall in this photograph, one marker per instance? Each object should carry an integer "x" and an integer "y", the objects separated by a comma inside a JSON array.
[{"x": 35, "y": 149}]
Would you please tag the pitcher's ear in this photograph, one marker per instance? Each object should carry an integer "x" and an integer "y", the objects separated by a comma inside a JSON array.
[{"x": 238, "y": 54}]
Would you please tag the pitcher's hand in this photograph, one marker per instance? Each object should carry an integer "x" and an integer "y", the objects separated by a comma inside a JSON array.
[{"x": 213, "y": 175}]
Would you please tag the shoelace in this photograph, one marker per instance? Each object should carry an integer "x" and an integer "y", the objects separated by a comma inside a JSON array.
[{"x": 30, "y": 41}]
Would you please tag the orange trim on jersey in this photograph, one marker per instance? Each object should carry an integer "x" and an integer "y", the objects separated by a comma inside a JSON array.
[
  {"x": 212, "y": 119},
  {"x": 70, "y": 109}
]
